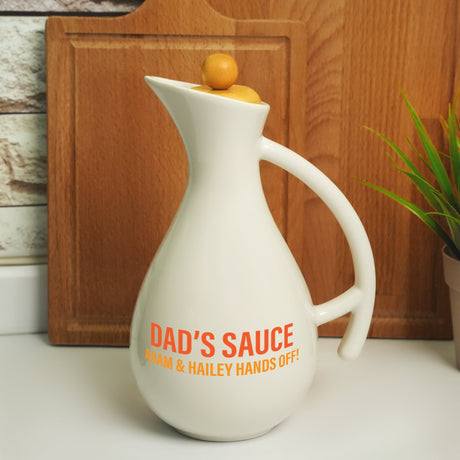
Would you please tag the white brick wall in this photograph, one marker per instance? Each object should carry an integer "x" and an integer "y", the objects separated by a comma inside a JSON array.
[
  {"x": 92, "y": 6},
  {"x": 23, "y": 117},
  {"x": 23, "y": 159}
]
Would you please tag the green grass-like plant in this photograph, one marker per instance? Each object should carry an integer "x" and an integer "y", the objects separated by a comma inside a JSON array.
[{"x": 443, "y": 197}]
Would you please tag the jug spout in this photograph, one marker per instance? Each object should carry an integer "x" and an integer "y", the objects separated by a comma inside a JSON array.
[
  {"x": 208, "y": 122},
  {"x": 172, "y": 94}
]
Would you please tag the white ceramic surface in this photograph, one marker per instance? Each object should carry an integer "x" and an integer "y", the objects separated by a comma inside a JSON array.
[
  {"x": 398, "y": 401},
  {"x": 223, "y": 339},
  {"x": 23, "y": 298}
]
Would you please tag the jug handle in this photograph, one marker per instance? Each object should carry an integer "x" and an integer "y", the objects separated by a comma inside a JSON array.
[{"x": 359, "y": 299}]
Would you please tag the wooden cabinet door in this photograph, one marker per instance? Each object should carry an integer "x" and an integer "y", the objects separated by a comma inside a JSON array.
[
  {"x": 117, "y": 169},
  {"x": 358, "y": 54}
]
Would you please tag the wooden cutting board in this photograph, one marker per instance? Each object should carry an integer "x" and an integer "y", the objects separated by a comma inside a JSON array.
[{"x": 117, "y": 167}]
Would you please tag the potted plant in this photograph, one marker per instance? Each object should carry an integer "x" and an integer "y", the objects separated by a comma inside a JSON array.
[{"x": 441, "y": 189}]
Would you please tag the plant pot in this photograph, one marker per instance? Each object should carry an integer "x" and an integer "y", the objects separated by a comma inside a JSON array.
[{"x": 452, "y": 277}]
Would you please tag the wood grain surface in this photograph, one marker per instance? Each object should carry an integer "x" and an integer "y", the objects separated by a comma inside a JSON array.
[
  {"x": 117, "y": 167},
  {"x": 117, "y": 171},
  {"x": 359, "y": 53}
]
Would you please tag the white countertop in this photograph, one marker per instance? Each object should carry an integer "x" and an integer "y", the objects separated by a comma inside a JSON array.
[{"x": 399, "y": 400}]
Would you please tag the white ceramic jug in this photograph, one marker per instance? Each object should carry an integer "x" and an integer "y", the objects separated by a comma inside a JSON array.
[{"x": 223, "y": 337}]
